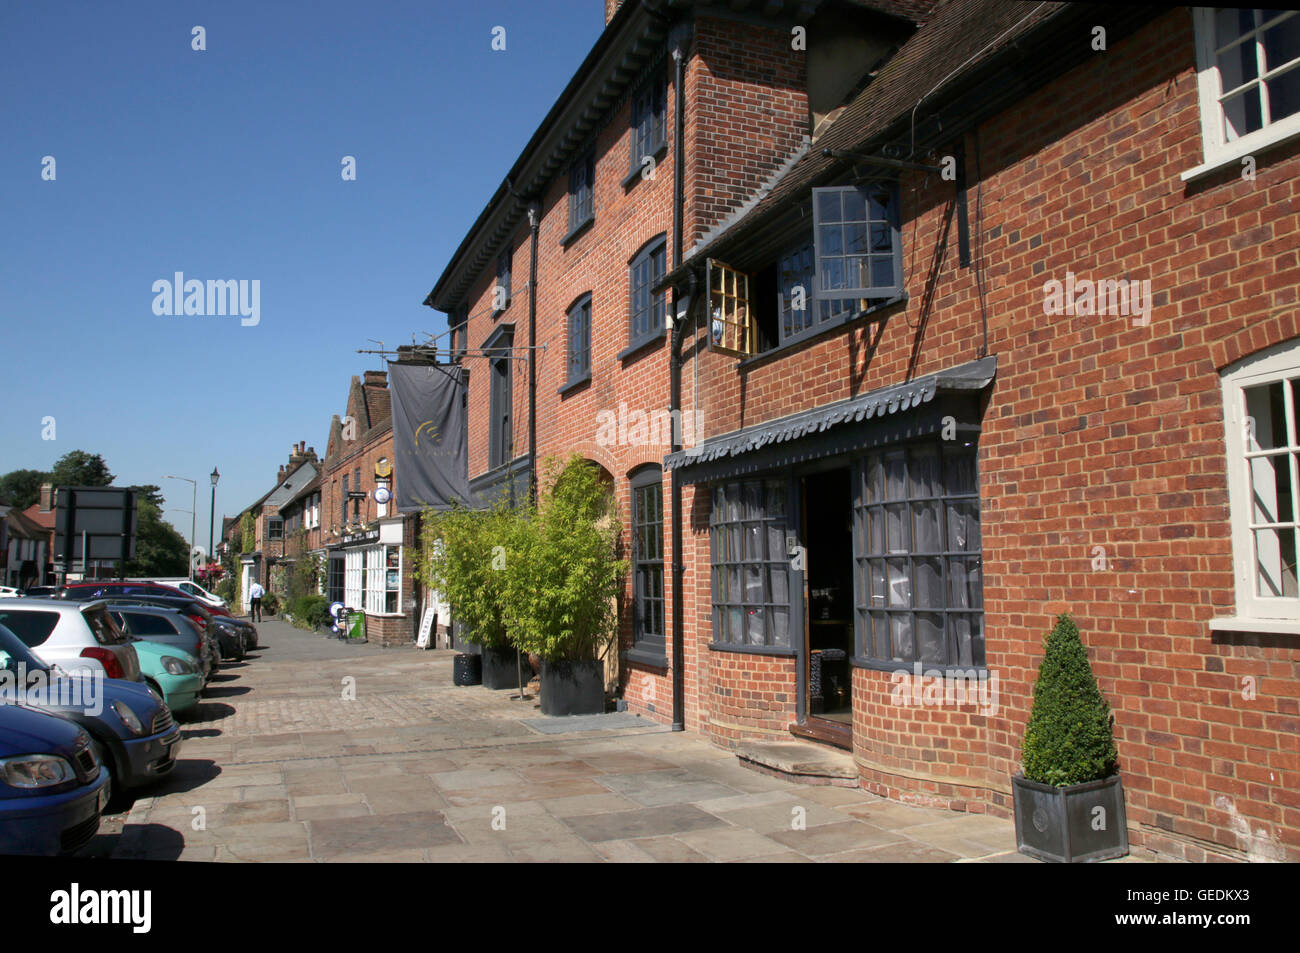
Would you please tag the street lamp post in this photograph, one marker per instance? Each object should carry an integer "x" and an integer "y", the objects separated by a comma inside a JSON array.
[
  {"x": 212, "y": 514},
  {"x": 194, "y": 497}
]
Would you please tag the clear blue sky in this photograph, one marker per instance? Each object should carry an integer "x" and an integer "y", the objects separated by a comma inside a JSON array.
[{"x": 225, "y": 164}]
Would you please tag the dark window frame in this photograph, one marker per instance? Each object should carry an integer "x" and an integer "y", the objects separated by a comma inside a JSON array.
[
  {"x": 646, "y": 309},
  {"x": 748, "y": 543},
  {"x": 847, "y": 229},
  {"x": 887, "y": 553},
  {"x": 578, "y": 336},
  {"x": 648, "y": 135},
  {"x": 274, "y": 527},
  {"x": 501, "y": 403},
  {"x": 648, "y": 592},
  {"x": 504, "y": 279},
  {"x": 582, "y": 194}
]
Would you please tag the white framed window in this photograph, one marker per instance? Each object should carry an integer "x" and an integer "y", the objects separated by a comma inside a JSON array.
[
  {"x": 354, "y": 578},
  {"x": 1248, "y": 80},
  {"x": 1261, "y": 399},
  {"x": 375, "y": 580}
]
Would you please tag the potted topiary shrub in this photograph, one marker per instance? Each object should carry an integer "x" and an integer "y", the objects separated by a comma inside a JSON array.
[
  {"x": 1069, "y": 801},
  {"x": 564, "y": 585},
  {"x": 464, "y": 556}
]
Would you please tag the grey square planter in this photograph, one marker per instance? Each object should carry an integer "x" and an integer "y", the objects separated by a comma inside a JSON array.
[
  {"x": 501, "y": 670},
  {"x": 1064, "y": 824}
]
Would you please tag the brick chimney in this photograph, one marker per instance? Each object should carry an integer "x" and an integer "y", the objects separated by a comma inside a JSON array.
[
  {"x": 376, "y": 379},
  {"x": 47, "y": 497}
]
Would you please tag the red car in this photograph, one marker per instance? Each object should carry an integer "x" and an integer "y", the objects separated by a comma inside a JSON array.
[{"x": 84, "y": 590}]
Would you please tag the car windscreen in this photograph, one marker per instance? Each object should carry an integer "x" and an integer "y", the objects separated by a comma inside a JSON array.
[
  {"x": 14, "y": 652},
  {"x": 102, "y": 625},
  {"x": 33, "y": 627}
]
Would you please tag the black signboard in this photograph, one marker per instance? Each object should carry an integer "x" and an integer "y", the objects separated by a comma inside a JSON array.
[{"x": 101, "y": 516}]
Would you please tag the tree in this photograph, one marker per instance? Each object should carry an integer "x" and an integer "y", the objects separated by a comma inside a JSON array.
[
  {"x": 79, "y": 468},
  {"x": 149, "y": 493},
  {"x": 22, "y": 488},
  {"x": 563, "y": 584},
  {"x": 159, "y": 549}
]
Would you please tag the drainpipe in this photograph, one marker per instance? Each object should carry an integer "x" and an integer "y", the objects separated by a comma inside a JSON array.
[
  {"x": 675, "y": 383},
  {"x": 534, "y": 223}
]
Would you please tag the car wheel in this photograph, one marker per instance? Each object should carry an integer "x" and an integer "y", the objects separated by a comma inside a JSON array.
[{"x": 117, "y": 799}]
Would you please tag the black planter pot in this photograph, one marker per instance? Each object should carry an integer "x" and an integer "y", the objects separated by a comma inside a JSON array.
[
  {"x": 573, "y": 688},
  {"x": 1075, "y": 824},
  {"x": 466, "y": 670},
  {"x": 500, "y": 669}
]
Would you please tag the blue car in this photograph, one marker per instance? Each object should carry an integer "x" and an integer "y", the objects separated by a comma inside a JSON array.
[
  {"x": 131, "y": 729},
  {"x": 52, "y": 787}
]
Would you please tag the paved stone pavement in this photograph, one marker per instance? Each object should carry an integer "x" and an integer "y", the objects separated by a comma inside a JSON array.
[{"x": 278, "y": 765}]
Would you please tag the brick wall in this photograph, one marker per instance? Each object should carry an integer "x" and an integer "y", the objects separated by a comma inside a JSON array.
[{"x": 1097, "y": 433}]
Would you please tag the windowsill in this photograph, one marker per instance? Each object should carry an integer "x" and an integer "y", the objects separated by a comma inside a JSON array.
[
  {"x": 573, "y": 385},
  {"x": 1242, "y": 624},
  {"x": 637, "y": 172},
  {"x": 577, "y": 230},
  {"x": 779, "y": 650},
  {"x": 500, "y": 311},
  {"x": 1235, "y": 153},
  {"x": 822, "y": 329},
  {"x": 647, "y": 657},
  {"x": 642, "y": 344}
]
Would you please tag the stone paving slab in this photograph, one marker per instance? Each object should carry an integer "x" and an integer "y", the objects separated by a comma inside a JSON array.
[{"x": 414, "y": 769}]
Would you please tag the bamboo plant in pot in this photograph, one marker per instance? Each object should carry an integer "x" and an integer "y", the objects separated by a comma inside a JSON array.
[
  {"x": 464, "y": 556},
  {"x": 564, "y": 588},
  {"x": 1069, "y": 801}
]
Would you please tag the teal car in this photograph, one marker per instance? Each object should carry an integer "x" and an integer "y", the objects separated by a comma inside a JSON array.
[{"x": 172, "y": 673}]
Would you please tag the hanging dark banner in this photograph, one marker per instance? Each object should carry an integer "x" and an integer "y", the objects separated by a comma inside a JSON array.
[{"x": 431, "y": 466}]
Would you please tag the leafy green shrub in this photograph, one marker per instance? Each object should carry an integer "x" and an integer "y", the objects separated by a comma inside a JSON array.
[
  {"x": 226, "y": 589},
  {"x": 1069, "y": 738},
  {"x": 271, "y": 603},
  {"x": 565, "y": 578},
  {"x": 310, "y": 611},
  {"x": 464, "y": 555}
]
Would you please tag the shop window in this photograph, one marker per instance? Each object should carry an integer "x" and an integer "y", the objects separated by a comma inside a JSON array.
[
  {"x": 648, "y": 558},
  {"x": 750, "y": 565}
]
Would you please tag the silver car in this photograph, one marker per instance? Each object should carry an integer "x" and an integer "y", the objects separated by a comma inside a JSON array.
[{"x": 78, "y": 637}]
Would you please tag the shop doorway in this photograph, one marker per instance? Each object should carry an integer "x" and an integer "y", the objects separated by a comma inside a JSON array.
[{"x": 827, "y": 520}]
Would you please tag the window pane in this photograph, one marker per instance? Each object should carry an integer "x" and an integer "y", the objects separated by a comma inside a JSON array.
[
  {"x": 753, "y": 497},
  {"x": 736, "y": 623},
  {"x": 1242, "y": 114},
  {"x": 754, "y": 626},
  {"x": 1266, "y": 417},
  {"x": 1230, "y": 24},
  {"x": 894, "y": 475},
  {"x": 896, "y": 519},
  {"x": 753, "y": 541},
  {"x": 924, "y": 471},
  {"x": 1281, "y": 43},
  {"x": 929, "y": 638},
  {"x": 929, "y": 584},
  {"x": 879, "y": 591},
  {"x": 1284, "y": 95},
  {"x": 875, "y": 478},
  {"x": 754, "y": 588},
  {"x": 855, "y": 238},
  {"x": 1237, "y": 65},
  {"x": 963, "y": 526},
  {"x": 880, "y": 635},
  {"x": 925, "y": 526},
  {"x": 900, "y": 630},
  {"x": 959, "y": 626},
  {"x": 1270, "y": 479},
  {"x": 779, "y": 579},
  {"x": 780, "y": 627},
  {"x": 959, "y": 471},
  {"x": 965, "y": 583},
  {"x": 733, "y": 583},
  {"x": 776, "y": 500},
  {"x": 828, "y": 206},
  {"x": 1275, "y": 563},
  {"x": 776, "y": 541},
  {"x": 875, "y": 530},
  {"x": 900, "y": 586}
]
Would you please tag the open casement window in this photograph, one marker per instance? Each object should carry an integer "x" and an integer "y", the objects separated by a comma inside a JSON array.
[
  {"x": 1248, "y": 78},
  {"x": 731, "y": 315},
  {"x": 1262, "y": 430},
  {"x": 858, "y": 249}
]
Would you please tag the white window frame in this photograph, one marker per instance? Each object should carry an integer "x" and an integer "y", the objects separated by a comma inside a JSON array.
[
  {"x": 1218, "y": 151},
  {"x": 375, "y": 571},
  {"x": 353, "y": 578},
  {"x": 1254, "y": 612}
]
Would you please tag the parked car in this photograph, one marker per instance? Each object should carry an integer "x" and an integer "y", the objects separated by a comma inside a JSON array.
[
  {"x": 131, "y": 729},
  {"x": 172, "y": 673},
  {"x": 166, "y": 627},
  {"x": 52, "y": 787},
  {"x": 76, "y": 636},
  {"x": 8, "y": 591},
  {"x": 109, "y": 587},
  {"x": 41, "y": 592},
  {"x": 192, "y": 588}
]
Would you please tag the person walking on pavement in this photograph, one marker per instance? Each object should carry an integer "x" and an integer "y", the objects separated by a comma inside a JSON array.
[{"x": 255, "y": 594}]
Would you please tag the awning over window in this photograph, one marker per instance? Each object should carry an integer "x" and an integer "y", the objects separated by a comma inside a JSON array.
[{"x": 826, "y": 431}]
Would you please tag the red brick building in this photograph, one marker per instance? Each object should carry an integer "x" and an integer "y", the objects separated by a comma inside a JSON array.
[{"x": 973, "y": 313}]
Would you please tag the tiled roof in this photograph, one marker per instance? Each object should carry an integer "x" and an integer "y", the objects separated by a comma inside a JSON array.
[
  {"x": 960, "y": 37},
  {"x": 918, "y": 11}
]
